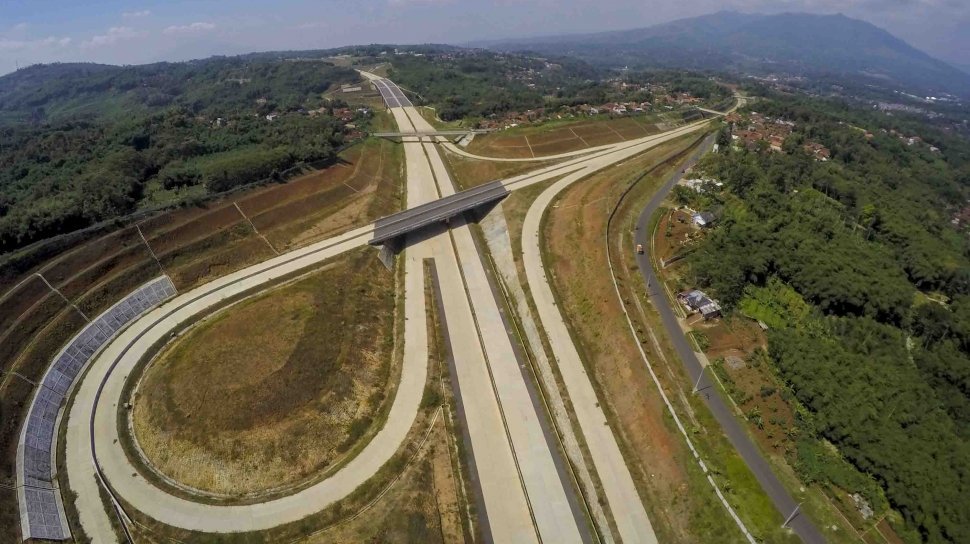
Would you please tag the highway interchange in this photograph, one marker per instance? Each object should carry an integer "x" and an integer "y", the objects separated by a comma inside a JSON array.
[{"x": 526, "y": 493}]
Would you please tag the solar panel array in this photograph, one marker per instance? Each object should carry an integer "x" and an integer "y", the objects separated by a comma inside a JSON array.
[{"x": 42, "y": 515}]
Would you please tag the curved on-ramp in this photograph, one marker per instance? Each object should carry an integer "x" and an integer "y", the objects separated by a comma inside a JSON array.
[{"x": 93, "y": 420}]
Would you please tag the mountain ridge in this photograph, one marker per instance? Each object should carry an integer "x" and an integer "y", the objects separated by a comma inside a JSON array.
[{"x": 733, "y": 41}]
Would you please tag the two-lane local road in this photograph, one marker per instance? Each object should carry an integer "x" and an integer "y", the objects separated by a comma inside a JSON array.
[{"x": 801, "y": 524}]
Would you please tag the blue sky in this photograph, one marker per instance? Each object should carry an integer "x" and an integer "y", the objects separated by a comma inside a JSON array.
[{"x": 134, "y": 32}]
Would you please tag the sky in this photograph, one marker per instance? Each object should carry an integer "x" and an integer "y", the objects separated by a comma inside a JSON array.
[{"x": 136, "y": 32}]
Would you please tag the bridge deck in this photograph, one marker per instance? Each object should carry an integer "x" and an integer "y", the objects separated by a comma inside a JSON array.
[
  {"x": 401, "y": 223},
  {"x": 429, "y": 133}
]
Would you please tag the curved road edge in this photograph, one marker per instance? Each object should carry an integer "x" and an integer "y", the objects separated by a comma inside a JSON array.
[{"x": 113, "y": 364}]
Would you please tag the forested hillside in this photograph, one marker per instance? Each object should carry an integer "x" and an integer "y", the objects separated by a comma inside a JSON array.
[
  {"x": 478, "y": 83},
  {"x": 84, "y": 143},
  {"x": 859, "y": 266}
]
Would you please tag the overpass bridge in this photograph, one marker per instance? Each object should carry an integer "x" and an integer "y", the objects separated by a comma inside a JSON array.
[
  {"x": 391, "y": 228},
  {"x": 450, "y": 134}
]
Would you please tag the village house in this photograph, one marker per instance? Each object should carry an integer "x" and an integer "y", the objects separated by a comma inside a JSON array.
[
  {"x": 698, "y": 301},
  {"x": 818, "y": 151},
  {"x": 703, "y": 219},
  {"x": 702, "y": 185}
]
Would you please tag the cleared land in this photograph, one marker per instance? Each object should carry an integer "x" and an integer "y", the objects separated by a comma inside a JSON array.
[
  {"x": 564, "y": 135},
  {"x": 421, "y": 495},
  {"x": 468, "y": 173},
  {"x": 274, "y": 390}
]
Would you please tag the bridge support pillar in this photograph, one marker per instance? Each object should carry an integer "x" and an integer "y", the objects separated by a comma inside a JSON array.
[{"x": 389, "y": 250}]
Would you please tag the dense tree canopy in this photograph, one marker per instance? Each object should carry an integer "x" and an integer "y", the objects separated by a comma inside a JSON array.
[
  {"x": 197, "y": 124},
  {"x": 856, "y": 268}
]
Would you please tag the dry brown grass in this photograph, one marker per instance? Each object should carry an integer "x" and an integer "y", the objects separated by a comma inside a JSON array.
[
  {"x": 562, "y": 136},
  {"x": 272, "y": 391},
  {"x": 471, "y": 172},
  {"x": 574, "y": 230}
]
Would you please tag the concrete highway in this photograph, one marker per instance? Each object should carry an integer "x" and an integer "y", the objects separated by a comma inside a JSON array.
[
  {"x": 490, "y": 379},
  {"x": 527, "y": 497},
  {"x": 783, "y": 501}
]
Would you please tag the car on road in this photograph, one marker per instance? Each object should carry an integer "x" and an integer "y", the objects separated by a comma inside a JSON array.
[{"x": 640, "y": 249}]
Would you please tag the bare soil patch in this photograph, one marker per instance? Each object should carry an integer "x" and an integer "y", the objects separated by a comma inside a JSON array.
[{"x": 273, "y": 390}]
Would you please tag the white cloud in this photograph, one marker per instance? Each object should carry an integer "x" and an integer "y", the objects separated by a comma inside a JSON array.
[
  {"x": 189, "y": 28},
  {"x": 19, "y": 27},
  {"x": 313, "y": 25},
  {"x": 113, "y": 36},
  {"x": 136, "y": 14},
  {"x": 7, "y": 44}
]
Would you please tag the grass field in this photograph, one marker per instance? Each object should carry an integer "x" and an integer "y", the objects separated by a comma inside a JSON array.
[
  {"x": 420, "y": 496},
  {"x": 659, "y": 459},
  {"x": 468, "y": 173},
  {"x": 273, "y": 390},
  {"x": 560, "y": 136}
]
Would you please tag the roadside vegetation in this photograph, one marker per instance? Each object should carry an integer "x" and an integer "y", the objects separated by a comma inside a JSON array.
[
  {"x": 857, "y": 267},
  {"x": 662, "y": 466}
]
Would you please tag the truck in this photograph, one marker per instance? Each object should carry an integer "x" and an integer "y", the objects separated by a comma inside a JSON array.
[{"x": 640, "y": 249}]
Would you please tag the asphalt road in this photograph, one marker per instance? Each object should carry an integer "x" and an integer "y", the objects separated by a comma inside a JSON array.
[{"x": 711, "y": 394}]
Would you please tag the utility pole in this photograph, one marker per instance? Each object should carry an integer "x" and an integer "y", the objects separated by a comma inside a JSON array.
[
  {"x": 698, "y": 382},
  {"x": 66, "y": 300},
  {"x": 791, "y": 516}
]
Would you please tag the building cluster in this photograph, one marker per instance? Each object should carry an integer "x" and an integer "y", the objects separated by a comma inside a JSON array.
[
  {"x": 755, "y": 128},
  {"x": 620, "y": 108},
  {"x": 346, "y": 116},
  {"x": 910, "y": 140},
  {"x": 702, "y": 185}
]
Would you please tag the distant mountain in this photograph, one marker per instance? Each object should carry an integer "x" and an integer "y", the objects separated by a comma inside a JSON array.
[{"x": 788, "y": 42}]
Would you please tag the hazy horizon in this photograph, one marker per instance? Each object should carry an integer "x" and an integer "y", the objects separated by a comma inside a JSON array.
[{"x": 135, "y": 33}]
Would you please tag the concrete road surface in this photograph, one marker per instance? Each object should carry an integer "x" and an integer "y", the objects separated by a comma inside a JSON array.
[
  {"x": 92, "y": 421},
  {"x": 527, "y": 497},
  {"x": 627, "y": 508},
  {"x": 556, "y": 516}
]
